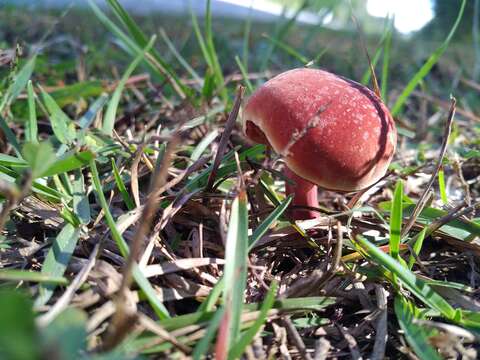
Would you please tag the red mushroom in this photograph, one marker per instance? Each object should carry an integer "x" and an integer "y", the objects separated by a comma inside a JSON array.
[{"x": 332, "y": 132}]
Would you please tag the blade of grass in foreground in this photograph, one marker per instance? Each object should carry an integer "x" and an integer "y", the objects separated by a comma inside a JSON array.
[
  {"x": 236, "y": 252},
  {"x": 141, "y": 280},
  {"x": 442, "y": 187},
  {"x": 425, "y": 69},
  {"x": 109, "y": 121},
  {"x": 57, "y": 260},
  {"x": 247, "y": 337},
  {"x": 32, "y": 276},
  {"x": 417, "y": 336},
  {"x": 417, "y": 286}
]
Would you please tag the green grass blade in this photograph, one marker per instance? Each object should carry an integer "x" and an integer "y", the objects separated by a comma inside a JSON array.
[
  {"x": 89, "y": 116},
  {"x": 417, "y": 286},
  {"x": 417, "y": 247},
  {"x": 127, "y": 199},
  {"x": 11, "y": 138},
  {"x": 139, "y": 277},
  {"x": 216, "y": 67},
  {"x": 235, "y": 272},
  {"x": 57, "y": 260},
  {"x": 396, "y": 221},
  {"x": 32, "y": 276},
  {"x": 425, "y": 69},
  {"x": 244, "y": 73},
  {"x": 180, "y": 58},
  {"x": 203, "y": 144},
  {"x": 239, "y": 348},
  {"x": 68, "y": 162},
  {"x": 109, "y": 120},
  {"x": 461, "y": 229},
  {"x": 442, "y": 187},
  {"x": 31, "y": 127},
  {"x": 288, "y": 49},
  {"x": 141, "y": 41},
  {"x": 18, "y": 85},
  {"x": 204, "y": 344},
  {"x": 269, "y": 220},
  {"x": 417, "y": 336}
]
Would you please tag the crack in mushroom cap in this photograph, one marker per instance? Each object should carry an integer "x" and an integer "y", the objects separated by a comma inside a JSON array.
[{"x": 332, "y": 131}]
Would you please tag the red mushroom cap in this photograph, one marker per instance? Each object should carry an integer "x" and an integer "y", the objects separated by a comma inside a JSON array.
[{"x": 333, "y": 132}]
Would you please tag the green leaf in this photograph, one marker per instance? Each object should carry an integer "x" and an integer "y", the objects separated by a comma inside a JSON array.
[
  {"x": 109, "y": 120},
  {"x": 62, "y": 126},
  {"x": 417, "y": 336},
  {"x": 39, "y": 157},
  {"x": 68, "y": 162},
  {"x": 81, "y": 206},
  {"x": 66, "y": 335},
  {"x": 18, "y": 336},
  {"x": 57, "y": 260},
  {"x": 235, "y": 273}
]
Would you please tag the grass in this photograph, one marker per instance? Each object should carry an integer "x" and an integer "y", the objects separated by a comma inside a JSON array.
[{"x": 127, "y": 163}]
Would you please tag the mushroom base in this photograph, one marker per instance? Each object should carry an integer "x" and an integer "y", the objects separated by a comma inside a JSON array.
[{"x": 305, "y": 194}]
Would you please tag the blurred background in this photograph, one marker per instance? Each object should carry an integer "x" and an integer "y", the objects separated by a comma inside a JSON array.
[{"x": 265, "y": 35}]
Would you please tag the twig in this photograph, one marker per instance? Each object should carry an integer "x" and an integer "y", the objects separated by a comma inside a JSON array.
[
  {"x": 322, "y": 347},
  {"x": 296, "y": 339},
  {"x": 422, "y": 201},
  {"x": 381, "y": 330},
  {"x": 119, "y": 327},
  {"x": 230, "y": 124},
  {"x": 352, "y": 343},
  {"x": 376, "y": 88},
  {"x": 154, "y": 327}
]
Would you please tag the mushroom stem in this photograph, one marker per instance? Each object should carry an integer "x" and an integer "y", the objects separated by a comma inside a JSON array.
[{"x": 305, "y": 194}]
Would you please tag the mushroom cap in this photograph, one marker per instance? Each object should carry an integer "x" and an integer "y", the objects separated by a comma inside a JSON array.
[{"x": 332, "y": 131}]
